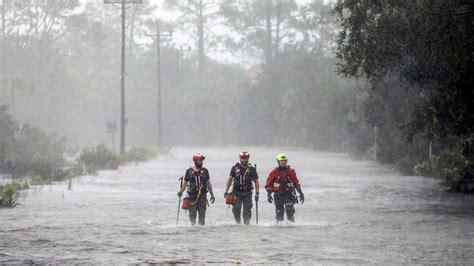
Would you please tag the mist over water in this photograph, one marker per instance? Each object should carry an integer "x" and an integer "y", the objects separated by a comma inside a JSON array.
[{"x": 355, "y": 212}]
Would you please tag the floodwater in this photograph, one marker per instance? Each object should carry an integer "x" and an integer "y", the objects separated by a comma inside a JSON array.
[{"x": 355, "y": 212}]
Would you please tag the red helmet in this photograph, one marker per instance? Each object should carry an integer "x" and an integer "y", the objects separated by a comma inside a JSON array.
[
  {"x": 244, "y": 154},
  {"x": 198, "y": 157}
]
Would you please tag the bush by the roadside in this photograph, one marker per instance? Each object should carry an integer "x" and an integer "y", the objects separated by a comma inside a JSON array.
[
  {"x": 101, "y": 158},
  {"x": 50, "y": 173},
  {"x": 407, "y": 166},
  {"x": 24, "y": 148},
  {"x": 98, "y": 158},
  {"x": 10, "y": 193},
  {"x": 138, "y": 154},
  {"x": 33, "y": 150},
  {"x": 454, "y": 170}
]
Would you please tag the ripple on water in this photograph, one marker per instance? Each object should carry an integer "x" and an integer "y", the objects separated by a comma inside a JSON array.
[
  {"x": 358, "y": 208},
  {"x": 41, "y": 241}
]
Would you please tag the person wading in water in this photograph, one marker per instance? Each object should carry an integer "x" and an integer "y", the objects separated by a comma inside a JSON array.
[
  {"x": 282, "y": 181},
  {"x": 241, "y": 176},
  {"x": 197, "y": 182}
]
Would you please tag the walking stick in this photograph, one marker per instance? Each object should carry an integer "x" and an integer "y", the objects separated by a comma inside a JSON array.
[
  {"x": 256, "y": 202},
  {"x": 256, "y": 211},
  {"x": 179, "y": 202}
]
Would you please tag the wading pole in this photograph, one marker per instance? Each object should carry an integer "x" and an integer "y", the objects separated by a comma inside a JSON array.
[
  {"x": 179, "y": 202},
  {"x": 256, "y": 202}
]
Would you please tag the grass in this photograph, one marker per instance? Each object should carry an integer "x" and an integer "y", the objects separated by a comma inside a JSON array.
[{"x": 10, "y": 193}]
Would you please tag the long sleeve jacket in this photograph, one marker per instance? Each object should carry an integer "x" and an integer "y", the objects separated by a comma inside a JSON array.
[{"x": 282, "y": 180}]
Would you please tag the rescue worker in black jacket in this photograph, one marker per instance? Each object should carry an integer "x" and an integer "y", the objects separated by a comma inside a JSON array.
[
  {"x": 241, "y": 176},
  {"x": 197, "y": 182}
]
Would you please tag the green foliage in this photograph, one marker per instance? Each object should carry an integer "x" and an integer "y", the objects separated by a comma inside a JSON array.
[
  {"x": 139, "y": 154},
  {"x": 49, "y": 173},
  {"x": 9, "y": 195},
  {"x": 26, "y": 150},
  {"x": 98, "y": 158},
  {"x": 35, "y": 151},
  {"x": 8, "y": 127},
  {"x": 300, "y": 101},
  {"x": 418, "y": 58},
  {"x": 77, "y": 169},
  {"x": 451, "y": 168},
  {"x": 101, "y": 158}
]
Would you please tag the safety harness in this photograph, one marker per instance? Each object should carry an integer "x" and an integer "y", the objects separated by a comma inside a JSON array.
[
  {"x": 199, "y": 186},
  {"x": 242, "y": 177},
  {"x": 283, "y": 183}
]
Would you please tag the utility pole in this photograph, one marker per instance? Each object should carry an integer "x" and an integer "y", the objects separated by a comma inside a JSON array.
[
  {"x": 375, "y": 143},
  {"x": 178, "y": 55},
  {"x": 158, "y": 37},
  {"x": 123, "y": 119},
  {"x": 3, "y": 44}
]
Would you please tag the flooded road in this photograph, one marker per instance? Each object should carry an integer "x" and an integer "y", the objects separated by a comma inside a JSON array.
[{"x": 355, "y": 212}]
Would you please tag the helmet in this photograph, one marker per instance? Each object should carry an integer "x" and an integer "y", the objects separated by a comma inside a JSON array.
[
  {"x": 282, "y": 157},
  {"x": 244, "y": 154},
  {"x": 198, "y": 157}
]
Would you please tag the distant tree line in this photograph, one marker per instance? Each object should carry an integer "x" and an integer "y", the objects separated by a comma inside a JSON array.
[{"x": 404, "y": 96}]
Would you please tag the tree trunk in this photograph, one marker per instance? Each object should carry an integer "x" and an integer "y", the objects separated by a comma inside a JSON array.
[
  {"x": 268, "y": 40},
  {"x": 200, "y": 30},
  {"x": 278, "y": 22}
]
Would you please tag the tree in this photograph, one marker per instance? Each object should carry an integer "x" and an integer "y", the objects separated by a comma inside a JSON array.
[
  {"x": 427, "y": 45},
  {"x": 196, "y": 19},
  {"x": 262, "y": 26}
]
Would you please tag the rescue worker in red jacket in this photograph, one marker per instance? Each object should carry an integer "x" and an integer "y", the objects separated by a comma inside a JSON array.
[
  {"x": 241, "y": 176},
  {"x": 197, "y": 182},
  {"x": 282, "y": 181}
]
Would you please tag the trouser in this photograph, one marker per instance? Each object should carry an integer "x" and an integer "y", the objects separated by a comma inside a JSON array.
[
  {"x": 284, "y": 202},
  {"x": 199, "y": 208},
  {"x": 245, "y": 200}
]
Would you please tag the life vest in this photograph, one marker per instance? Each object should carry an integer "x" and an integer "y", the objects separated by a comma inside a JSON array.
[
  {"x": 283, "y": 182},
  {"x": 197, "y": 181},
  {"x": 243, "y": 178}
]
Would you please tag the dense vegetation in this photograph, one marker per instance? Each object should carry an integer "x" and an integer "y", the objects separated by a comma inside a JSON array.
[
  {"x": 385, "y": 80},
  {"x": 418, "y": 57},
  {"x": 26, "y": 151}
]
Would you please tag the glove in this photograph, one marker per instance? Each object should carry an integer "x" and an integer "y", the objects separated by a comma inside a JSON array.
[
  {"x": 212, "y": 199},
  {"x": 256, "y": 196},
  {"x": 180, "y": 194},
  {"x": 270, "y": 199},
  {"x": 302, "y": 198},
  {"x": 226, "y": 194}
]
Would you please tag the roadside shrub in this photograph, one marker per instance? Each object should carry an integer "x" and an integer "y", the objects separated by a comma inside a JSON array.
[
  {"x": 50, "y": 173},
  {"x": 454, "y": 170},
  {"x": 98, "y": 158},
  {"x": 77, "y": 169},
  {"x": 407, "y": 166},
  {"x": 9, "y": 195},
  {"x": 34, "y": 150},
  {"x": 139, "y": 154}
]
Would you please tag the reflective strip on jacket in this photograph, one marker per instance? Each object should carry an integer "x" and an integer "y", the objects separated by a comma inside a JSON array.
[{"x": 282, "y": 180}]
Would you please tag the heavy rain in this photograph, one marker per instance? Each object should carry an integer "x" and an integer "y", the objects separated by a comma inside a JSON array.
[{"x": 236, "y": 132}]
